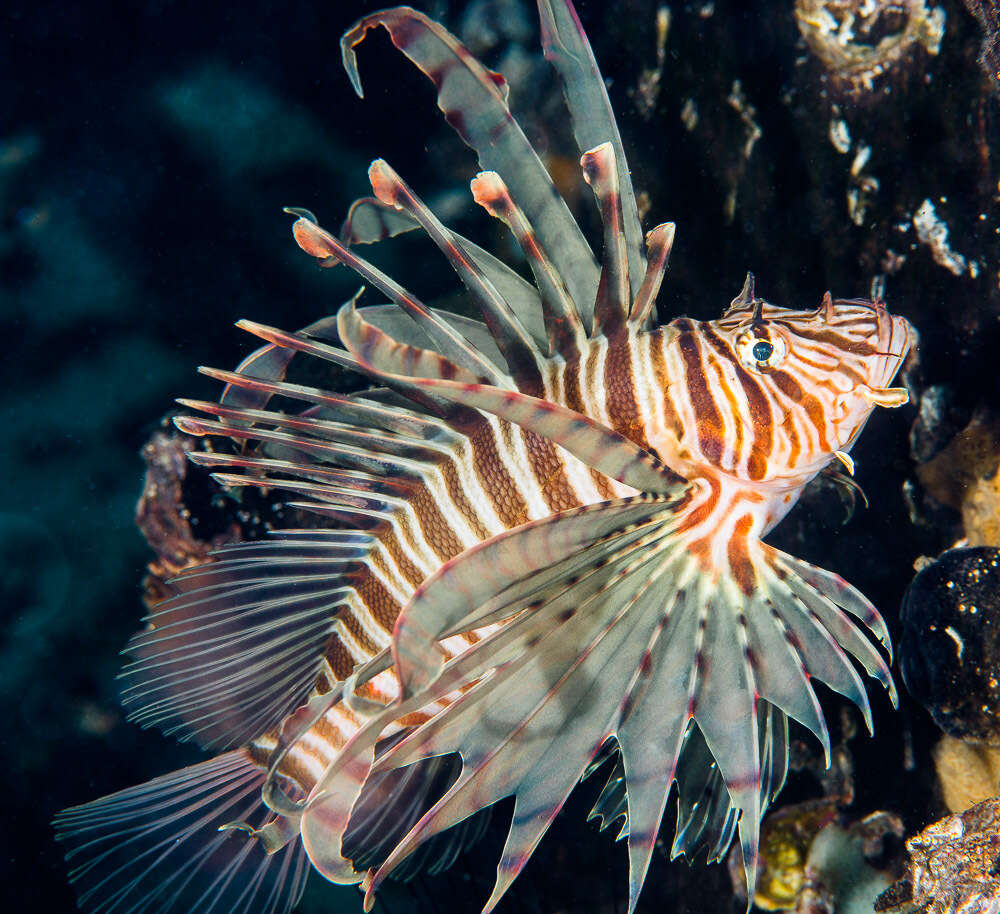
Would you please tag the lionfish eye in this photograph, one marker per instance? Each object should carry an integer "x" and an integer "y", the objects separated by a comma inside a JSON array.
[{"x": 760, "y": 354}]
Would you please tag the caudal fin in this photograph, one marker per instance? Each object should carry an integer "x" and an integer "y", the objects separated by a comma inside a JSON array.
[{"x": 158, "y": 847}]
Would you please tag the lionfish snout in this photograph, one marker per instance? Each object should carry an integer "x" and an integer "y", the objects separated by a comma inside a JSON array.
[{"x": 870, "y": 345}]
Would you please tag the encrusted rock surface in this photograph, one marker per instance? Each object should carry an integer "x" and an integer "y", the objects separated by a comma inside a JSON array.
[{"x": 953, "y": 866}]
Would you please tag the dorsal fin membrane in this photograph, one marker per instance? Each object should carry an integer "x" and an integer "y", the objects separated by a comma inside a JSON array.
[
  {"x": 388, "y": 357},
  {"x": 370, "y": 220},
  {"x": 448, "y": 341},
  {"x": 474, "y": 102},
  {"x": 567, "y": 49},
  {"x": 565, "y": 330},
  {"x": 514, "y": 341},
  {"x": 613, "y": 294}
]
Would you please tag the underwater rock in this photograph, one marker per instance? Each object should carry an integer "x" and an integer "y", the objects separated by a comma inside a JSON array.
[
  {"x": 938, "y": 422},
  {"x": 166, "y": 521},
  {"x": 811, "y": 863},
  {"x": 840, "y": 877},
  {"x": 785, "y": 839},
  {"x": 962, "y": 475},
  {"x": 988, "y": 14},
  {"x": 967, "y": 773},
  {"x": 952, "y": 867},
  {"x": 981, "y": 512},
  {"x": 859, "y": 41},
  {"x": 957, "y": 459},
  {"x": 950, "y": 647}
]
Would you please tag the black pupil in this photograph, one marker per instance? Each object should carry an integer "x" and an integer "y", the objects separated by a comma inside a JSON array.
[{"x": 763, "y": 350}]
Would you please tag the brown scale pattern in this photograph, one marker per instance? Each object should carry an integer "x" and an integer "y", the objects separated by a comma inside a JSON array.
[
  {"x": 436, "y": 530},
  {"x": 549, "y": 469},
  {"x": 384, "y": 609},
  {"x": 407, "y": 569},
  {"x": 619, "y": 391},
  {"x": 457, "y": 495},
  {"x": 493, "y": 476},
  {"x": 340, "y": 660}
]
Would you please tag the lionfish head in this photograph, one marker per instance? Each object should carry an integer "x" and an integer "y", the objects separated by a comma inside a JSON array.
[{"x": 821, "y": 371}]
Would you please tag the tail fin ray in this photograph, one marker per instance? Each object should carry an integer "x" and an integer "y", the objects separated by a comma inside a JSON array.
[{"x": 158, "y": 846}]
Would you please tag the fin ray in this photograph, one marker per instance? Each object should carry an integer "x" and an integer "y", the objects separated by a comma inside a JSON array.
[
  {"x": 158, "y": 847},
  {"x": 566, "y": 47},
  {"x": 239, "y": 646},
  {"x": 474, "y": 101}
]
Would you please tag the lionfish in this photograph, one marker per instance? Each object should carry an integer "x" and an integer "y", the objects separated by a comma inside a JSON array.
[{"x": 538, "y": 543}]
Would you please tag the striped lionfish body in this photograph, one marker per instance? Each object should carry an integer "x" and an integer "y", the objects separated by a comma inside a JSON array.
[{"x": 538, "y": 536}]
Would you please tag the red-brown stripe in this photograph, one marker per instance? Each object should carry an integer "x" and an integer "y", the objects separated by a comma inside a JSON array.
[
  {"x": 619, "y": 388},
  {"x": 497, "y": 483},
  {"x": 814, "y": 409},
  {"x": 760, "y": 409},
  {"x": 739, "y": 555},
  {"x": 671, "y": 420},
  {"x": 707, "y": 417},
  {"x": 832, "y": 338}
]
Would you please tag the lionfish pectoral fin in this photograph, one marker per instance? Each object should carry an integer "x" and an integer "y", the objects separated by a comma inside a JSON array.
[
  {"x": 613, "y": 627},
  {"x": 166, "y": 844}
]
